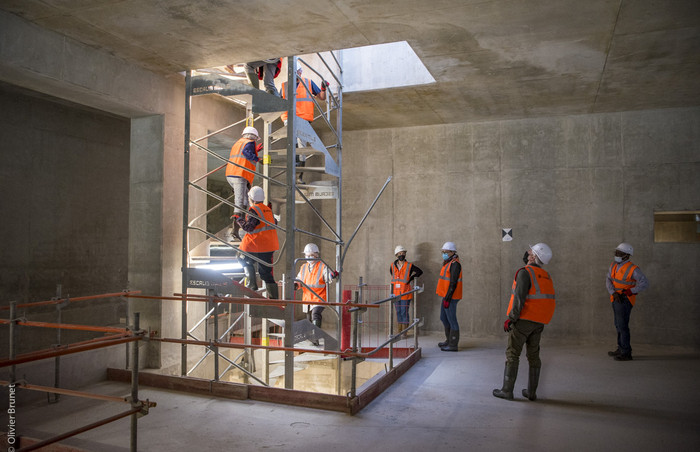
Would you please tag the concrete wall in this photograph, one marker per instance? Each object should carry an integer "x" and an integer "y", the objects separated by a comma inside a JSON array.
[
  {"x": 152, "y": 110},
  {"x": 582, "y": 184}
]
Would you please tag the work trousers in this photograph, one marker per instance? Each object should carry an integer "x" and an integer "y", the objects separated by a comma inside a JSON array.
[
  {"x": 622, "y": 310},
  {"x": 448, "y": 316},
  {"x": 240, "y": 193},
  {"x": 402, "y": 310},
  {"x": 528, "y": 333},
  {"x": 264, "y": 270}
]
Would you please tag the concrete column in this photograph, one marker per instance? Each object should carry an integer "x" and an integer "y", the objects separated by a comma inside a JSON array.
[{"x": 145, "y": 224}]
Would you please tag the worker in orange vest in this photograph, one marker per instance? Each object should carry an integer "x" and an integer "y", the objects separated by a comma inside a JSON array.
[
  {"x": 624, "y": 281},
  {"x": 260, "y": 241},
  {"x": 316, "y": 275},
  {"x": 402, "y": 273},
  {"x": 449, "y": 288},
  {"x": 304, "y": 105},
  {"x": 530, "y": 308},
  {"x": 244, "y": 153}
]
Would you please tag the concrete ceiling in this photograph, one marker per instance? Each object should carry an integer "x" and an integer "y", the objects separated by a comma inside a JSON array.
[{"x": 494, "y": 59}]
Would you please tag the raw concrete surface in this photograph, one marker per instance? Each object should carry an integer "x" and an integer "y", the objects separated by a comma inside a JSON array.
[{"x": 586, "y": 401}]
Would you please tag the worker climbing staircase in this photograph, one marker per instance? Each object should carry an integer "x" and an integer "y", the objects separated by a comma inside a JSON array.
[{"x": 203, "y": 248}]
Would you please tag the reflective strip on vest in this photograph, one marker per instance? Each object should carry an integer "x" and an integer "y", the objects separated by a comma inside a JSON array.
[
  {"x": 240, "y": 159},
  {"x": 400, "y": 282},
  {"x": 539, "y": 302},
  {"x": 443, "y": 284},
  {"x": 315, "y": 281},
  {"x": 263, "y": 238},
  {"x": 304, "y": 104},
  {"x": 621, "y": 277}
]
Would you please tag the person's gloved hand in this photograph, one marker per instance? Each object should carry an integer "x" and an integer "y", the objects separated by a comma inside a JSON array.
[
  {"x": 240, "y": 221},
  {"x": 324, "y": 85},
  {"x": 334, "y": 274},
  {"x": 296, "y": 286},
  {"x": 616, "y": 297},
  {"x": 259, "y": 148},
  {"x": 507, "y": 325},
  {"x": 627, "y": 293},
  {"x": 446, "y": 303}
]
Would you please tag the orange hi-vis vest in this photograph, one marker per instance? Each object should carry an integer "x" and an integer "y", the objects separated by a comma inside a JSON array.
[
  {"x": 400, "y": 282},
  {"x": 444, "y": 281},
  {"x": 238, "y": 158},
  {"x": 621, "y": 276},
  {"x": 539, "y": 302},
  {"x": 313, "y": 277},
  {"x": 305, "y": 106},
  {"x": 263, "y": 238}
]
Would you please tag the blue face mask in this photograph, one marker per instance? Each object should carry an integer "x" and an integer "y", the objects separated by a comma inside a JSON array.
[
  {"x": 445, "y": 256},
  {"x": 618, "y": 259}
]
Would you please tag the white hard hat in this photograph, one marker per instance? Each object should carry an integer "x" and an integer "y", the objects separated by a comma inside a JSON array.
[
  {"x": 449, "y": 246},
  {"x": 310, "y": 249},
  {"x": 542, "y": 251},
  {"x": 298, "y": 66},
  {"x": 252, "y": 131},
  {"x": 399, "y": 249},
  {"x": 256, "y": 194},
  {"x": 625, "y": 248}
]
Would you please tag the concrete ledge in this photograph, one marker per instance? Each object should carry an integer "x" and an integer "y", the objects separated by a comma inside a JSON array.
[{"x": 239, "y": 391}]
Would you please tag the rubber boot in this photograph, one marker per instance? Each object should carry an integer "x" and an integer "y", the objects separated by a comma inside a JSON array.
[
  {"x": 253, "y": 79},
  {"x": 447, "y": 338},
  {"x": 453, "y": 344},
  {"x": 272, "y": 291},
  {"x": 251, "y": 281},
  {"x": 317, "y": 323},
  {"x": 533, "y": 379},
  {"x": 510, "y": 373}
]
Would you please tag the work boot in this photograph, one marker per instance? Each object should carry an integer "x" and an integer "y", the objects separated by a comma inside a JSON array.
[
  {"x": 272, "y": 291},
  {"x": 317, "y": 323},
  {"x": 615, "y": 353},
  {"x": 622, "y": 357},
  {"x": 452, "y": 345},
  {"x": 251, "y": 281},
  {"x": 447, "y": 338},
  {"x": 533, "y": 379},
  {"x": 510, "y": 373},
  {"x": 236, "y": 229}
]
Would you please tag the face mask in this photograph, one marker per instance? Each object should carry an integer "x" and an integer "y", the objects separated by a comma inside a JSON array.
[
  {"x": 445, "y": 256},
  {"x": 401, "y": 257},
  {"x": 618, "y": 259},
  {"x": 525, "y": 256}
]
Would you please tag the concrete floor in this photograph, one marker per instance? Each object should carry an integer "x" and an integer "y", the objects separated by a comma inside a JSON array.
[{"x": 586, "y": 401}]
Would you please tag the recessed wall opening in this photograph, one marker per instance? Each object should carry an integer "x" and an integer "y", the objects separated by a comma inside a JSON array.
[{"x": 678, "y": 227}]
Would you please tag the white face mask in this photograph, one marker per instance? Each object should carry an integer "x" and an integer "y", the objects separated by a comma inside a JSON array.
[{"x": 618, "y": 259}]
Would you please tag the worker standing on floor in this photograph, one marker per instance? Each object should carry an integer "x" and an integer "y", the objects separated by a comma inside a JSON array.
[
  {"x": 624, "y": 281},
  {"x": 244, "y": 152},
  {"x": 402, "y": 273},
  {"x": 449, "y": 288},
  {"x": 259, "y": 241},
  {"x": 531, "y": 307},
  {"x": 316, "y": 275}
]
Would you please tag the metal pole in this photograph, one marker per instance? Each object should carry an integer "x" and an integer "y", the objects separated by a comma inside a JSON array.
[
  {"x": 185, "y": 215},
  {"x": 362, "y": 297},
  {"x": 13, "y": 352},
  {"x": 353, "y": 379},
  {"x": 216, "y": 335},
  {"x": 291, "y": 220},
  {"x": 391, "y": 331},
  {"x": 135, "y": 384},
  {"x": 415, "y": 315}
]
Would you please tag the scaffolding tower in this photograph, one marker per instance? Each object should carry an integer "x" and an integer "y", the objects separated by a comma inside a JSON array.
[{"x": 301, "y": 139}]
